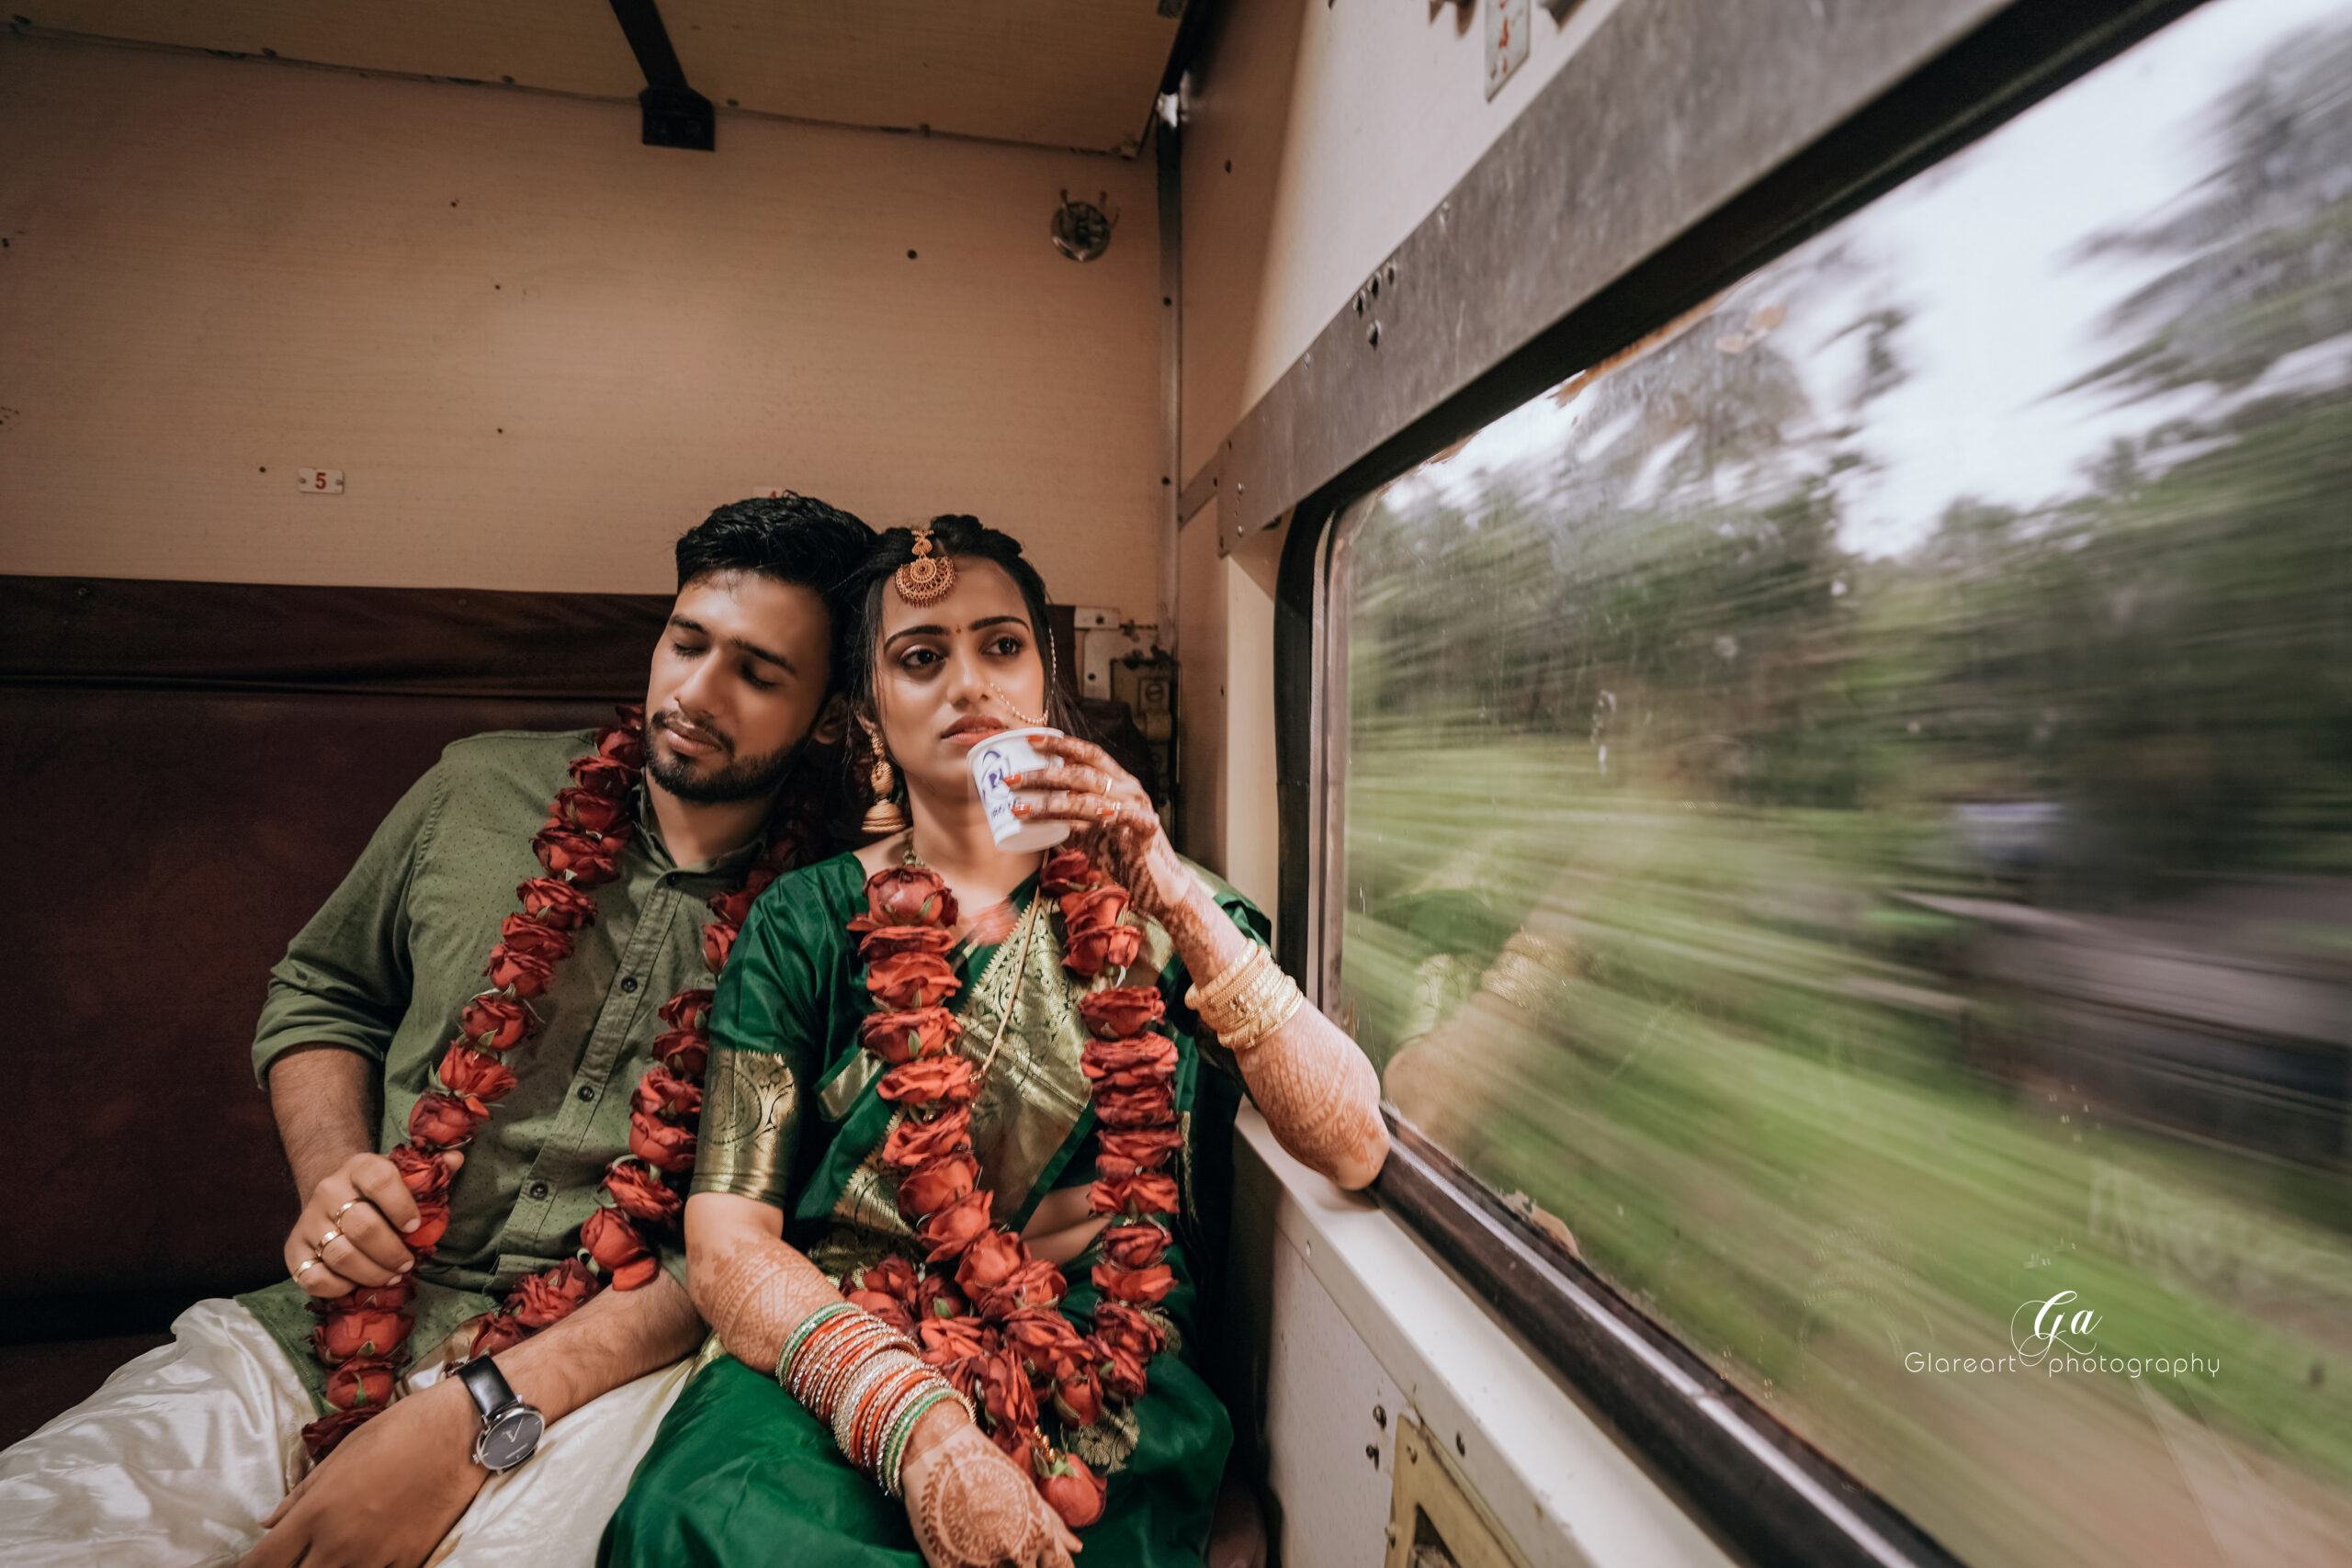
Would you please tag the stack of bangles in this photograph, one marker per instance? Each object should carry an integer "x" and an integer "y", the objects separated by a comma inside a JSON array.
[
  {"x": 860, "y": 1376},
  {"x": 1247, "y": 1002}
]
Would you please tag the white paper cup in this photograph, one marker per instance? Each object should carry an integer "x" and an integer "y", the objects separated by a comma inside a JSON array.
[{"x": 1008, "y": 751}]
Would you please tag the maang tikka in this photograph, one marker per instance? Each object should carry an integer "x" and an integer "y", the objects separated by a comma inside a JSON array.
[{"x": 929, "y": 577}]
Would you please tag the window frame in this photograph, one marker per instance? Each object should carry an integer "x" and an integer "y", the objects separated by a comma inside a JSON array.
[{"x": 1764, "y": 1492}]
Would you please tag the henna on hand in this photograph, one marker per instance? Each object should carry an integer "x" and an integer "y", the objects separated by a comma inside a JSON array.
[{"x": 972, "y": 1507}]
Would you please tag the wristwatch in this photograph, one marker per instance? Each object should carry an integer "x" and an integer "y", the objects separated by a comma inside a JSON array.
[{"x": 510, "y": 1429}]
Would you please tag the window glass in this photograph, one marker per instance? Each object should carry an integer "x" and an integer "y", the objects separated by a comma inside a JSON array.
[{"x": 1847, "y": 811}]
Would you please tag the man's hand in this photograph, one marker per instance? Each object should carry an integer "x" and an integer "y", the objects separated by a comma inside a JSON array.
[
  {"x": 359, "y": 1209},
  {"x": 972, "y": 1507},
  {"x": 387, "y": 1495}
]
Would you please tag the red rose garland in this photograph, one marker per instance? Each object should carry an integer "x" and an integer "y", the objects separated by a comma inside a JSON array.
[
  {"x": 994, "y": 1326},
  {"x": 361, "y": 1335}
]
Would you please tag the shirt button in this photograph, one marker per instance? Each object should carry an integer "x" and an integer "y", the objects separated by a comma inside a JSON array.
[
  {"x": 587, "y": 1092},
  {"x": 539, "y": 1191},
  {"x": 630, "y": 986}
]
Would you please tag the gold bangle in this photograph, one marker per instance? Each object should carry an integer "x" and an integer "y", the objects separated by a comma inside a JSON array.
[
  {"x": 1267, "y": 1012},
  {"x": 1211, "y": 996}
]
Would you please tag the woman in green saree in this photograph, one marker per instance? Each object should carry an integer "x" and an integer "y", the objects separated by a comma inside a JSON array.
[{"x": 977, "y": 1089}]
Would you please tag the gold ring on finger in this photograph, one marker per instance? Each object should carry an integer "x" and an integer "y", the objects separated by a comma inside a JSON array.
[
  {"x": 327, "y": 1240},
  {"x": 308, "y": 1263},
  {"x": 337, "y": 1217}
]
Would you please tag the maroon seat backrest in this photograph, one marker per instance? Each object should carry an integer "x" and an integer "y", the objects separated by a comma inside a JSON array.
[{"x": 189, "y": 770}]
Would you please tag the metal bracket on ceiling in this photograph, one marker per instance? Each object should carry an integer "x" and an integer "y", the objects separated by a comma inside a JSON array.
[{"x": 674, "y": 114}]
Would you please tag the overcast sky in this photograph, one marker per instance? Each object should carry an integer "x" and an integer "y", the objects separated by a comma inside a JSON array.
[{"x": 1984, "y": 252}]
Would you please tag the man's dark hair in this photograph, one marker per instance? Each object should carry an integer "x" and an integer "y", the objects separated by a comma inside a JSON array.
[{"x": 792, "y": 538}]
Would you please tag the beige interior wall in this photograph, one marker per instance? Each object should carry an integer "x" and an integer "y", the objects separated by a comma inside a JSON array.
[
  {"x": 1317, "y": 135},
  {"x": 1230, "y": 822},
  {"x": 537, "y": 349}
]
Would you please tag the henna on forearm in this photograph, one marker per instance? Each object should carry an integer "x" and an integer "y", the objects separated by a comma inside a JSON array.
[
  {"x": 972, "y": 1507},
  {"x": 1317, "y": 1089},
  {"x": 754, "y": 1291}
]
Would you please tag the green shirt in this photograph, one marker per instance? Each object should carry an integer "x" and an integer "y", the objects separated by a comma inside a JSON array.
[{"x": 386, "y": 965}]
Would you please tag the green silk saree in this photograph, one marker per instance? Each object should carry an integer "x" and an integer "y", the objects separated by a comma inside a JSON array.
[{"x": 740, "y": 1475}]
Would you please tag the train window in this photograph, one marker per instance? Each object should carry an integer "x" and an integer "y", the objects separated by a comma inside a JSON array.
[{"x": 1846, "y": 807}]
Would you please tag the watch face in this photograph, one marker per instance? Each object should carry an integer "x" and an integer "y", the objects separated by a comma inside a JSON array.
[{"x": 509, "y": 1439}]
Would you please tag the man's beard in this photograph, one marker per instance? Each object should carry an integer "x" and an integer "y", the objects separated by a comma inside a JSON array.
[{"x": 745, "y": 778}]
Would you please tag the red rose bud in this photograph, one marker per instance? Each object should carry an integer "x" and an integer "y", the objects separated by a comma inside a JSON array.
[
  {"x": 497, "y": 1331},
  {"x": 1074, "y": 1491},
  {"x": 1006, "y": 1394},
  {"x": 947, "y": 1340},
  {"x": 1036, "y": 1283},
  {"x": 1043, "y": 1339},
  {"x": 886, "y": 942},
  {"x": 893, "y": 1277},
  {"x": 928, "y": 1188},
  {"x": 1098, "y": 951},
  {"x": 1067, "y": 871},
  {"x": 605, "y": 778},
  {"x": 612, "y": 1241},
  {"x": 989, "y": 1262},
  {"x": 380, "y": 1298},
  {"x": 425, "y": 1176},
  {"x": 907, "y": 980},
  {"x": 552, "y": 1294},
  {"x": 756, "y": 882},
  {"x": 898, "y": 1038},
  {"x": 717, "y": 942},
  {"x": 661, "y": 1093},
  {"x": 688, "y": 1011},
  {"x": 359, "y": 1334},
  {"x": 444, "y": 1121},
  {"x": 1122, "y": 1372},
  {"x": 733, "y": 908},
  {"x": 685, "y": 1053},
  {"x": 936, "y": 1296},
  {"x": 1123, "y": 1010},
  {"x": 913, "y": 1142},
  {"x": 494, "y": 1022},
  {"x": 468, "y": 1072},
  {"x": 641, "y": 1194},
  {"x": 590, "y": 859},
  {"x": 590, "y": 813},
  {"x": 1078, "y": 1398},
  {"x": 1122, "y": 1110},
  {"x": 889, "y": 1309},
  {"x": 358, "y": 1382},
  {"x": 906, "y": 896},
  {"x": 1096, "y": 908},
  {"x": 1146, "y": 1286},
  {"x": 951, "y": 1230},
  {"x": 1144, "y": 1192},
  {"x": 1129, "y": 1064},
  {"x": 624, "y": 742},
  {"x": 1121, "y": 1325},
  {"x": 1135, "y": 1247},
  {"x": 637, "y": 1275},
  {"x": 661, "y": 1144},
  {"x": 947, "y": 1078},
  {"x": 323, "y": 1435},
  {"x": 554, "y": 902},
  {"x": 1141, "y": 1148},
  {"x": 523, "y": 934},
  {"x": 432, "y": 1224},
  {"x": 525, "y": 974}
]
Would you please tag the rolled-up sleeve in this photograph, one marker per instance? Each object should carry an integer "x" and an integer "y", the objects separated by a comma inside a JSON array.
[{"x": 346, "y": 978}]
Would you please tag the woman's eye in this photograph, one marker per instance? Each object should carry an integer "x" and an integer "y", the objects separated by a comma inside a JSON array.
[
  {"x": 1006, "y": 646},
  {"x": 919, "y": 658}
]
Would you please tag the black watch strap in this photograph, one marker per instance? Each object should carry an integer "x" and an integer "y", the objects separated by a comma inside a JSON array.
[{"x": 488, "y": 1385}]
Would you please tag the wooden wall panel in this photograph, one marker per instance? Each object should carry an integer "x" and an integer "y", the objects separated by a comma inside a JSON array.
[{"x": 537, "y": 349}]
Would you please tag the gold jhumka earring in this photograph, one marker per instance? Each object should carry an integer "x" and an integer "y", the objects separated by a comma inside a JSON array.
[
  {"x": 886, "y": 815},
  {"x": 929, "y": 577}
]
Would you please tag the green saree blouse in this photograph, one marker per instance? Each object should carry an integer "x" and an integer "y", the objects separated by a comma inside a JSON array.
[{"x": 740, "y": 1475}]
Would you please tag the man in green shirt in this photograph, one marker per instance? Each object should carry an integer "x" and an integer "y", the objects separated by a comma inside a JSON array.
[{"x": 192, "y": 1453}]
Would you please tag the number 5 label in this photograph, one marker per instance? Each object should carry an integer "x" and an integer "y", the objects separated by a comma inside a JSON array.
[{"x": 319, "y": 481}]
